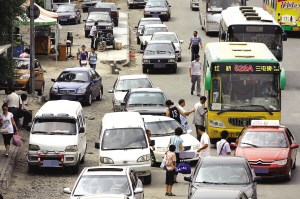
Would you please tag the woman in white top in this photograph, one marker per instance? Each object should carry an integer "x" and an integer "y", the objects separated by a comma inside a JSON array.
[{"x": 7, "y": 122}]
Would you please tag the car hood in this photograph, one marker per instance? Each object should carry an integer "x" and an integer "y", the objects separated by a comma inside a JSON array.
[
  {"x": 119, "y": 95},
  {"x": 254, "y": 154},
  {"x": 156, "y": 9},
  {"x": 163, "y": 141},
  {"x": 91, "y": 23},
  {"x": 215, "y": 17},
  {"x": 148, "y": 110},
  {"x": 53, "y": 142},
  {"x": 70, "y": 85},
  {"x": 65, "y": 14},
  {"x": 22, "y": 71},
  {"x": 222, "y": 191},
  {"x": 159, "y": 56}
]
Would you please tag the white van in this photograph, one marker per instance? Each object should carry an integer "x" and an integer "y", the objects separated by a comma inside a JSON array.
[
  {"x": 58, "y": 136},
  {"x": 123, "y": 141}
]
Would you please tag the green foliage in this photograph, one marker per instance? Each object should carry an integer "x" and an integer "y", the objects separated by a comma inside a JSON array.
[{"x": 40, "y": 2}]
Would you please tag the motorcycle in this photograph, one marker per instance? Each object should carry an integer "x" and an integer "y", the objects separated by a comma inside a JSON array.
[{"x": 104, "y": 40}]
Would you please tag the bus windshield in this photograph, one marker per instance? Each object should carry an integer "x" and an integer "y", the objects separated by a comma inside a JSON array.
[
  {"x": 269, "y": 35},
  {"x": 219, "y": 5},
  {"x": 245, "y": 90}
]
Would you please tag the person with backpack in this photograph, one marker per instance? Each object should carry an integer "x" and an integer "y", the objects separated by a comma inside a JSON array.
[
  {"x": 173, "y": 111},
  {"x": 177, "y": 141},
  {"x": 170, "y": 169},
  {"x": 83, "y": 56},
  {"x": 223, "y": 147}
]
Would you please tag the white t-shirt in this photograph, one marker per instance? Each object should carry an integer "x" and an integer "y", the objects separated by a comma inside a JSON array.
[
  {"x": 12, "y": 100},
  {"x": 199, "y": 114},
  {"x": 196, "y": 67},
  {"x": 204, "y": 140},
  {"x": 226, "y": 148},
  {"x": 6, "y": 122}
]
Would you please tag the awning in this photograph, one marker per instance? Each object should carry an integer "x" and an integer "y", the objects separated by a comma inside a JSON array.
[
  {"x": 4, "y": 48},
  {"x": 42, "y": 10}
]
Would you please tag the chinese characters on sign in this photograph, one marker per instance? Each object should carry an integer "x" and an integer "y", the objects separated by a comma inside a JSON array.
[{"x": 245, "y": 68}]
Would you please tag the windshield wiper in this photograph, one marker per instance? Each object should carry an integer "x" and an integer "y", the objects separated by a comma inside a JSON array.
[
  {"x": 39, "y": 132},
  {"x": 161, "y": 51},
  {"x": 77, "y": 80},
  {"x": 256, "y": 105},
  {"x": 223, "y": 111},
  {"x": 250, "y": 144},
  {"x": 60, "y": 133},
  {"x": 123, "y": 90},
  {"x": 206, "y": 182}
]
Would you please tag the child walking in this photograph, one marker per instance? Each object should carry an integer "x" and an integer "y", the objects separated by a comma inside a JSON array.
[
  {"x": 170, "y": 171},
  {"x": 93, "y": 58}
]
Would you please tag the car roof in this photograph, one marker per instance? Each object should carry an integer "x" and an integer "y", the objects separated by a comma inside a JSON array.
[
  {"x": 265, "y": 128},
  {"x": 150, "y": 19},
  {"x": 78, "y": 69},
  {"x": 133, "y": 77},
  {"x": 155, "y": 26},
  {"x": 155, "y": 118},
  {"x": 145, "y": 90},
  {"x": 116, "y": 120},
  {"x": 106, "y": 170},
  {"x": 59, "y": 108},
  {"x": 221, "y": 160},
  {"x": 105, "y": 196},
  {"x": 160, "y": 42}
]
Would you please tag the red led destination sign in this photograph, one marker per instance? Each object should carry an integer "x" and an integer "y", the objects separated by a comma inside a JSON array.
[{"x": 245, "y": 68}]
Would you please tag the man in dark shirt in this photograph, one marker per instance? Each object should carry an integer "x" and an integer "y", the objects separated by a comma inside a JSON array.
[{"x": 174, "y": 112}]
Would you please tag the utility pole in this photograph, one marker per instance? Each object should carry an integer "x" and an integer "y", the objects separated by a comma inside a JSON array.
[{"x": 32, "y": 50}]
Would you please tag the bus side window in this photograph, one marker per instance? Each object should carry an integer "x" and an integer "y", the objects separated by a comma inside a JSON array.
[{"x": 216, "y": 91}]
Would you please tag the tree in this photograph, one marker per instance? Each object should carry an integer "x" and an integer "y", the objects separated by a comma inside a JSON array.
[{"x": 10, "y": 14}]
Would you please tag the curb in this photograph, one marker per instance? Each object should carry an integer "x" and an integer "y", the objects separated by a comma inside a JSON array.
[{"x": 8, "y": 169}]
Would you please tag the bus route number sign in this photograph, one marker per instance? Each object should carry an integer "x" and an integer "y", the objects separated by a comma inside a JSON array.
[{"x": 245, "y": 68}]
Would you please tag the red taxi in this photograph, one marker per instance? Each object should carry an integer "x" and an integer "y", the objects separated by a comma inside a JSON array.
[{"x": 269, "y": 147}]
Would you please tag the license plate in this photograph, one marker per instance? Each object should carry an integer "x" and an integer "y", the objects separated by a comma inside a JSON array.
[
  {"x": 261, "y": 170},
  {"x": 296, "y": 28},
  {"x": 156, "y": 15},
  {"x": 50, "y": 163},
  {"x": 159, "y": 65}
]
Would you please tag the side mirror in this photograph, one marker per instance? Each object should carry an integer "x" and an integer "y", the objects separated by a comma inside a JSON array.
[
  {"x": 138, "y": 190},
  {"x": 295, "y": 146},
  {"x": 188, "y": 179},
  {"x": 84, "y": 20},
  {"x": 81, "y": 130},
  {"x": 97, "y": 145},
  {"x": 118, "y": 8},
  {"x": 233, "y": 145},
  {"x": 181, "y": 41},
  {"x": 53, "y": 80},
  {"x": 257, "y": 179},
  {"x": 67, "y": 190},
  {"x": 284, "y": 36},
  {"x": 110, "y": 91},
  {"x": 189, "y": 131},
  {"x": 152, "y": 143}
]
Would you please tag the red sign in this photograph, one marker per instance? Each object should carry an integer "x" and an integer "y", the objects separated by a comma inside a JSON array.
[{"x": 243, "y": 68}]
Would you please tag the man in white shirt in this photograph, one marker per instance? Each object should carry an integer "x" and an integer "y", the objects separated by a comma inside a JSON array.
[
  {"x": 93, "y": 34},
  {"x": 195, "y": 74},
  {"x": 204, "y": 149},
  {"x": 199, "y": 112},
  {"x": 223, "y": 147},
  {"x": 183, "y": 119}
]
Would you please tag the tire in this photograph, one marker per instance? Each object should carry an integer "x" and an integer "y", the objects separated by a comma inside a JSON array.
[
  {"x": 179, "y": 59},
  {"x": 75, "y": 169},
  {"x": 99, "y": 97},
  {"x": 83, "y": 158},
  {"x": 289, "y": 176},
  {"x": 129, "y": 6},
  {"x": 89, "y": 100},
  {"x": 294, "y": 165},
  {"x": 41, "y": 91},
  {"x": 147, "y": 179},
  {"x": 86, "y": 34},
  {"x": 114, "y": 45},
  {"x": 32, "y": 169},
  {"x": 101, "y": 47},
  {"x": 174, "y": 70},
  {"x": 141, "y": 47},
  {"x": 153, "y": 159},
  {"x": 138, "y": 41},
  {"x": 116, "y": 23},
  {"x": 144, "y": 70}
]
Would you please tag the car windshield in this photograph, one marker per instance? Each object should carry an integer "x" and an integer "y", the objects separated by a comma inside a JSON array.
[
  {"x": 54, "y": 126},
  {"x": 264, "y": 139},
  {"x": 106, "y": 5},
  {"x": 169, "y": 37},
  {"x": 99, "y": 17},
  {"x": 123, "y": 139},
  {"x": 155, "y": 4},
  {"x": 162, "y": 128},
  {"x": 145, "y": 22},
  {"x": 65, "y": 8},
  {"x": 126, "y": 84},
  {"x": 102, "y": 184},
  {"x": 222, "y": 174},
  {"x": 151, "y": 30},
  {"x": 146, "y": 98},
  {"x": 73, "y": 76},
  {"x": 159, "y": 48}
]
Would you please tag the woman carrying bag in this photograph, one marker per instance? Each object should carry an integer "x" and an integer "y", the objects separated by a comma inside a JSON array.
[{"x": 7, "y": 124}]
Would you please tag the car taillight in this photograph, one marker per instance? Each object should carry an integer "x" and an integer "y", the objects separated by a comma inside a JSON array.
[{"x": 114, "y": 14}]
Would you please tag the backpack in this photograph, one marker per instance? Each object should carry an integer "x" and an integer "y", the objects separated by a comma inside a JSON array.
[{"x": 183, "y": 168}]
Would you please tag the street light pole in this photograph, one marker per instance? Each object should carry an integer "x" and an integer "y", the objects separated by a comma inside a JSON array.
[{"x": 32, "y": 49}]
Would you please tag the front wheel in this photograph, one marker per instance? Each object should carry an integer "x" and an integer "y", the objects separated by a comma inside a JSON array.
[
  {"x": 41, "y": 91},
  {"x": 153, "y": 159},
  {"x": 144, "y": 70},
  {"x": 289, "y": 176},
  {"x": 75, "y": 169},
  {"x": 101, "y": 47},
  {"x": 147, "y": 179},
  {"x": 99, "y": 97},
  {"x": 89, "y": 100}
]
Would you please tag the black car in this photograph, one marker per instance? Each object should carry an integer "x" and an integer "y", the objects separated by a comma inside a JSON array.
[
  {"x": 86, "y": 4},
  {"x": 68, "y": 14},
  {"x": 220, "y": 177},
  {"x": 78, "y": 84},
  {"x": 160, "y": 54},
  {"x": 105, "y": 24},
  {"x": 114, "y": 13},
  {"x": 146, "y": 101}
]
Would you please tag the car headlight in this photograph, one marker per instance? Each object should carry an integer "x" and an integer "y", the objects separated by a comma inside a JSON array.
[
  {"x": 161, "y": 149},
  {"x": 146, "y": 13},
  {"x": 146, "y": 61},
  {"x": 71, "y": 148},
  {"x": 109, "y": 27},
  {"x": 216, "y": 123},
  {"x": 72, "y": 16},
  {"x": 87, "y": 27},
  {"x": 144, "y": 158},
  {"x": 164, "y": 13},
  {"x": 81, "y": 91},
  {"x": 33, "y": 147},
  {"x": 172, "y": 60},
  {"x": 106, "y": 160},
  {"x": 54, "y": 90},
  {"x": 280, "y": 162},
  {"x": 26, "y": 76}
]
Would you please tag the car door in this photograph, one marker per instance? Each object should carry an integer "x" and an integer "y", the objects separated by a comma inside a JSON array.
[
  {"x": 93, "y": 83},
  {"x": 82, "y": 136},
  {"x": 292, "y": 141}
]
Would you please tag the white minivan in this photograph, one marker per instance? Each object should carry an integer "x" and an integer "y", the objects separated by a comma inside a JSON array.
[
  {"x": 58, "y": 136},
  {"x": 123, "y": 142}
]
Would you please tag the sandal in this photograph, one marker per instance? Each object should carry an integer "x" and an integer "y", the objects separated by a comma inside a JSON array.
[
  {"x": 166, "y": 194},
  {"x": 171, "y": 194}
]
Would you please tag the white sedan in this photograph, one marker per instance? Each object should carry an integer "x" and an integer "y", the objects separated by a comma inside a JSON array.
[
  {"x": 162, "y": 129},
  {"x": 170, "y": 36}
]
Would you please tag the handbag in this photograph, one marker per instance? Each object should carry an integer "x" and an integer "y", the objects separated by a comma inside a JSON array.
[
  {"x": 183, "y": 168},
  {"x": 17, "y": 140},
  {"x": 3, "y": 131},
  {"x": 163, "y": 164}
]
